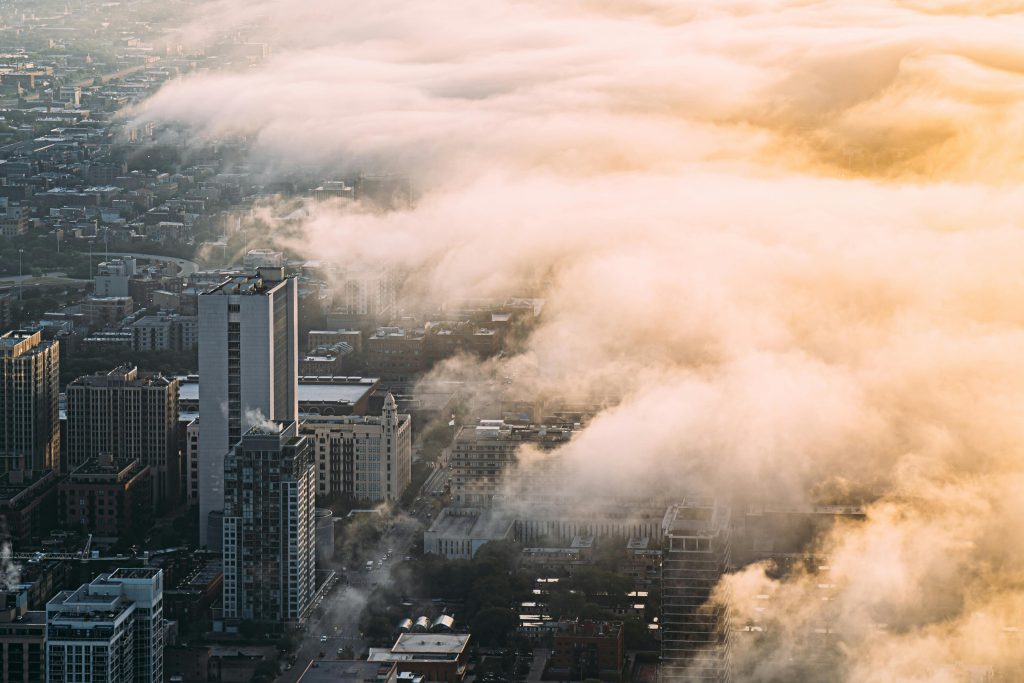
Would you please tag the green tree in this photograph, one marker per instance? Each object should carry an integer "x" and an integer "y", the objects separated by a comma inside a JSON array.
[{"x": 492, "y": 625}]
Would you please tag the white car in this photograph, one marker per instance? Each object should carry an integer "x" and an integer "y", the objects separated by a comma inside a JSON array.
[{"x": 323, "y": 639}]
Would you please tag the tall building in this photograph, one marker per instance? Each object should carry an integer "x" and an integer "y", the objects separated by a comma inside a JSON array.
[
  {"x": 695, "y": 627},
  {"x": 364, "y": 458},
  {"x": 22, "y": 638},
  {"x": 248, "y": 361},
  {"x": 108, "y": 630},
  {"x": 269, "y": 525},
  {"x": 29, "y": 391},
  {"x": 129, "y": 417}
]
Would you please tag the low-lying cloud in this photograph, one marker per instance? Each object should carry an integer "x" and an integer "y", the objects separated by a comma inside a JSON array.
[{"x": 785, "y": 235}]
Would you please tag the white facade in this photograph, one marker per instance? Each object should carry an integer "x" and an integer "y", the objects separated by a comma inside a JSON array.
[
  {"x": 366, "y": 458},
  {"x": 248, "y": 361},
  {"x": 109, "y": 630}
]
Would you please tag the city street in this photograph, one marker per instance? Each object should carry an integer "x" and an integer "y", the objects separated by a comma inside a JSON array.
[{"x": 343, "y": 607}]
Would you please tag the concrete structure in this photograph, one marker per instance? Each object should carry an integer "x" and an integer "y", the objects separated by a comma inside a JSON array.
[
  {"x": 588, "y": 649},
  {"x": 483, "y": 453},
  {"x": 248, "y": 343},
  {"x": 109, "y": 630},
  {"x": 364, "y": 295},
  {"x": 29, "y": 414},
  {"x": 458, "y": 533},
  {"x": 112, "y": 277},
  {"x": 106, "y": 310},
  {"x": 165, "y": 332},
  {"x": 22, "y": 639},
  {"x": 353, "y": 671},
  {"x": 107, "y": 497},
  {"x": 694, "y": 628},
  {"x": 128, "y": 416},
  {"x": 269, "y": 525},
  {"x": 366, "y": 458},
  {"x": 435, "y": 656}
]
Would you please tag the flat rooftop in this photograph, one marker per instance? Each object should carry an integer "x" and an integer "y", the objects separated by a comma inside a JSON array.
[
  {"x": 430, "y": 643},
  {"x": 347, "y": 671}
]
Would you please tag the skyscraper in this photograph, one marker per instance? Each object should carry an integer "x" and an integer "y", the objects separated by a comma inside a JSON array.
[
  {"x": 248, "y": 369},
  {"x": 129, "y": 417},
  {"x": 29, "y": 414},
  {"x": 694, "y": 625},
  {"x": 364, "y": 458},
  {"x": 269, "y": 525},
  {"x": 108, "y": 630}
]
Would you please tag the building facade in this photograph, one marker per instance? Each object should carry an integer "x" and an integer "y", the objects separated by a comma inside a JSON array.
[
  {"x": 695, "y": 634},
  {"x": 483, "y": 453},
  {"x": 29, "y": 393},
  {"x": 107, "y": 497},
  {"x": 109, "y": 630},
  {"x": 269, "y": 525},
  {"x": 588, "y": 649},
  {"x": 165, "y": 332},
  {"x": 128, "y": 416},
  {"x": 248, "y": 342},
  {"x": 22, "y": 639},
  {"x": 365, "y": 458}
]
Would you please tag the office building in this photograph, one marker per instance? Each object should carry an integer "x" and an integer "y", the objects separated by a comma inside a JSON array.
[
  {"x": 694, "y": 627},
  {"x": 165, "y": 332},
  {"x": 109, "y": 630},
  {"x": 248, "y": 359},
  {"x": 128, "y": 416},
  {"x": 28, "y": 505},
  {"x": 22, "y": 638},
  {"x": 269, "y": 525},
  {"x": 483, "y": 453},
  {"x": 29, "y": 391},
  {"x": 365, "y": 458},
  {"x": 110, "y": 498}
]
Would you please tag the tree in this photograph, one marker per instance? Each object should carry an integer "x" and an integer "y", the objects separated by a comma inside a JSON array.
[{"x": 492, "y": 625}]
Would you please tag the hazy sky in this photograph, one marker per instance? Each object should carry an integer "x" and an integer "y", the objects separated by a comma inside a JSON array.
[{"x": 787, "y": 233}]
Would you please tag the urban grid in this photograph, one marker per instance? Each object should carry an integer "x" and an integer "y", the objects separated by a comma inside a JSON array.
[{"x": 409, "y": 398}]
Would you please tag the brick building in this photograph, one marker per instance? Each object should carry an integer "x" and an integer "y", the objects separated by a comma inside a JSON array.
[{"x": 588, "y": 649}]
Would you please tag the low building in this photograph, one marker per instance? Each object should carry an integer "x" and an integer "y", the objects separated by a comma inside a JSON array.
[
  {"x": 106, "y": 497},
  {"x": 325, "y": 360},
  {"x": 22, "y": 638},
  {"x": 165, "y": 332},
  {"x": 105, "y": 310},
  {"x": 263, "y": 258},
  {"x": 588, "y": 649},
  {"x": 395, "y": 353},
  {"x": 352, "y": 671},
  {"x": 434, "y": 656},
  {"x": 193, "y": 596},
  {"x": 458, "y": 533}
]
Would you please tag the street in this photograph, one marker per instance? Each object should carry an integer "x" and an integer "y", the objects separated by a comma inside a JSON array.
[{"x": 343, "y": 607}]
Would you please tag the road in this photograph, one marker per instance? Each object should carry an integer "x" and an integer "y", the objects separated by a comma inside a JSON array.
[
  {"x": 342, "y": 608},
  {"x": 540, "y": 660}
]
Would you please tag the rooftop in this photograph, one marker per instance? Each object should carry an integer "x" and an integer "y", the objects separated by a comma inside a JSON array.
[
  {"x": 430, "y": 643},
  {"x": 347, "y": 671}
]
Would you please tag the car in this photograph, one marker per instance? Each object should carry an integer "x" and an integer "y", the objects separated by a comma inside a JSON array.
[{"x": 323, "y": 639}]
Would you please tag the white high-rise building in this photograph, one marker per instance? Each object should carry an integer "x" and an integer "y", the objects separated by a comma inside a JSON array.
[
  {"x": 269, "y": 525},
  {"x": 110, "y": 630},
  {"x": 248, "y": 362},
  {"x": 365, "y": 458}
]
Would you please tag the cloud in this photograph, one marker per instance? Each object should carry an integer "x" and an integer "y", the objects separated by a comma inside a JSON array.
[{"x": 784, "y": 236}]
